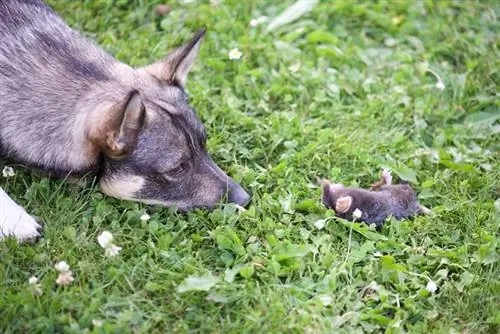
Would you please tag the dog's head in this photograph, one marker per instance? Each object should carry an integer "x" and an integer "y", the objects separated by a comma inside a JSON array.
[{"x": 154, "y": 145}]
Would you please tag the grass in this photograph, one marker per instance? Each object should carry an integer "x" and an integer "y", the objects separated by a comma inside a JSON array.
[{"x": 339, "y": 93}]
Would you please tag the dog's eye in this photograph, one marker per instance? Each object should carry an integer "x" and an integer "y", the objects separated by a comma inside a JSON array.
[{"x": 178, "y": 170}]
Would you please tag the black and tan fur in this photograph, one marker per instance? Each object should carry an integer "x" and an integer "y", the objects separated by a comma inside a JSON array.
[{"x": 69, "y": 108}]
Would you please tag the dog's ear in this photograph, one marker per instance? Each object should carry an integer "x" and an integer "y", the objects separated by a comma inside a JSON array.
[
  {"x": 175, "y": 67},
  {"x": 343, "y": 204},
  {"x": 127, "y": 121}
]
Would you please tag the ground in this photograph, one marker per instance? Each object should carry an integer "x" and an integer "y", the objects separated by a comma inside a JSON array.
[{"x": 341, "y": 92}]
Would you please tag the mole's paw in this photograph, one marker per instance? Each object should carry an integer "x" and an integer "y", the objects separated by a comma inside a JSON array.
[{"x": 386, "y": 177}]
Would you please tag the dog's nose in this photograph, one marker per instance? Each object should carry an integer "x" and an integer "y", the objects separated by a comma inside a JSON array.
[{"x": 238, "y": 195}]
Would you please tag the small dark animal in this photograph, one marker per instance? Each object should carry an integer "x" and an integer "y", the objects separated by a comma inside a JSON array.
[{"x": 373, "y": 206}]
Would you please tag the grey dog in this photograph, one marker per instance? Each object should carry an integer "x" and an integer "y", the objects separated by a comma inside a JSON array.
[{"x": 69, "y": 108}]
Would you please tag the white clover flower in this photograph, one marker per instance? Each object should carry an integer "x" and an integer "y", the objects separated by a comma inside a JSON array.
[
  {"x": 440, "y": 85},
  {"x": 420, "y": 249},
  {"x": 319, "y": 224},
  {"x": 294, "y": 68},
  {"x": 112, "y": 250},
  {"x": 97, "y": 323},
  {"x": 258, "y": 21},
  {"x": 33, "y": 280},
  {"x": 105, "y": 239},
  {"x": 235, "y": 54},
  {"x": 35, "y": 286},
  {"x": 65, "y": 278},
  {"x": 357, "y": 214},
  {"x": 8, "y": 172},
  {"x": 431, "y": 286},
  {"x": 145, "y": 217},
  {"x": 62, "y": 266}
]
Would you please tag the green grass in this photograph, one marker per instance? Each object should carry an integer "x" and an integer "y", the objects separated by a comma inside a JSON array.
[{"x": 360, "y": 99}]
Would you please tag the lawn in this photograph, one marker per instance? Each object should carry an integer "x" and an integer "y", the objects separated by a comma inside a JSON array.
[{"x": 341, "y": 92}]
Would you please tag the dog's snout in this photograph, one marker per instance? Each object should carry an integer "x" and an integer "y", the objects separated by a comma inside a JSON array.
[
  {"x": 228, "y": 190},
  {"x": 238, "y": 195}
]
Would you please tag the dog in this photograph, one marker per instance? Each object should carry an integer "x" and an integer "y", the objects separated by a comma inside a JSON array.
[
  {"x": 70, "y": 109},
  {"x": 374, "y": 206}
]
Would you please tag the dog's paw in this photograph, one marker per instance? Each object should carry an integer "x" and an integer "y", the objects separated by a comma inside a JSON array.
[
  {"x": 25, "y": 228},
  {"x": 16, "y": 222}
]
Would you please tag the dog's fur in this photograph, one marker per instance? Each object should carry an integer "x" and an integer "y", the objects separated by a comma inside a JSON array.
[
  {"x": 69, "y": 108},
  {"x": 376, "y": 205}
]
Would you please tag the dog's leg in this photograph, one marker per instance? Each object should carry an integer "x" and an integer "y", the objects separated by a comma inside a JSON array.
[{"x": 15, "y": 221}]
